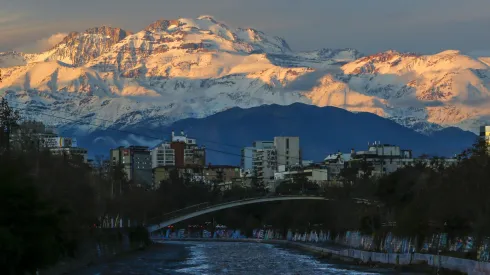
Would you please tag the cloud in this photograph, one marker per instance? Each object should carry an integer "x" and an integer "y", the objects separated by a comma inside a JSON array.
[
  {"x": 43, "y": 44},
  {"x": 8, "y": 19}
]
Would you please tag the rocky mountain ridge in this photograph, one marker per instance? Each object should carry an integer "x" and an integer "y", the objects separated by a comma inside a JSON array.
[{"x": 192, "y": 68}]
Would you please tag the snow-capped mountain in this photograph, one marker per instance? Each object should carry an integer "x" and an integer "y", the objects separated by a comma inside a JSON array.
[
  {"x": 75, "y": 49},
  {"x": 175, "y": 69}
]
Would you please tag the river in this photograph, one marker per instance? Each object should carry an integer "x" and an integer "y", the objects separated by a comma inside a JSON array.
[{"x": 223, "y": 258}]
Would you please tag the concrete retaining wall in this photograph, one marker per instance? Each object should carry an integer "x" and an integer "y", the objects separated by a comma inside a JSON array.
[{"x": 451, "y": 263}]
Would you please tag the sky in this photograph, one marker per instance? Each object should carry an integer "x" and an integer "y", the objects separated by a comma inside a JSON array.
[{"x": 422, "y": 26}]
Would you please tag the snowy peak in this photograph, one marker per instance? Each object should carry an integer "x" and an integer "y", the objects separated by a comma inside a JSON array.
[
  {"x": 260, "y": 39},
  {"x": 402, "y": 63},
  {"x": 373, "y": 63},
  {"x": 207, "y": 32},
  {"x": 79, "y": 48},
  {"x": 207, "y": 17},
  {"x": 162, "y": 25}
]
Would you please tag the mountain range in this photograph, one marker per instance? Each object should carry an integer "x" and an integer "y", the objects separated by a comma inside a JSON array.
[
  {"x": 322, "y": 131},
  {"x": 194, "y": 68}
]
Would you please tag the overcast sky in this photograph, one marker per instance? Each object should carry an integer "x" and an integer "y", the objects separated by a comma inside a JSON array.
[{"x": 423, "y": 26}]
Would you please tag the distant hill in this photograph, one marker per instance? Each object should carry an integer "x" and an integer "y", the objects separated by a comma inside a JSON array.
[{"x": 322, "y": 130}]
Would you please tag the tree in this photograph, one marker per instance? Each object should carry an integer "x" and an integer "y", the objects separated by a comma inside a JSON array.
[
  {"x": 9, "y": 119},
  {"x": 30, "y": 227},
  {"x": 257, "y": 184}
]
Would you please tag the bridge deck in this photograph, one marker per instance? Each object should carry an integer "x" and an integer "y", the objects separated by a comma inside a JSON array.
[{"x": 178, "y": 218}]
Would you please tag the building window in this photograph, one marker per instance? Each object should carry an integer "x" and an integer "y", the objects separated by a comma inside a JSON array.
[{"x": 287, "y": 143}]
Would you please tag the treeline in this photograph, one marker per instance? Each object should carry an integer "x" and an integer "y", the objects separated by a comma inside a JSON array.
[{"x": 50, "y": 204}]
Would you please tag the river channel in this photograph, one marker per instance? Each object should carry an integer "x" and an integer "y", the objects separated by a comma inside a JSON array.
[{"x": 223, "y": 258}]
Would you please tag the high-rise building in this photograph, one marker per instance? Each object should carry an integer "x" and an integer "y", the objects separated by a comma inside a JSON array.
[
  {"x": 136, "y": 162},
  {"x": 288, "y": 150},
  {"x": 180, "y": 151},
  {"x": 263, "y": 158},
  {"x": 265, "y": 164},
  {"x": 187, "y": 152},
  {"x": 162, "y": 155},
  {"x": 248, "y": 154}
]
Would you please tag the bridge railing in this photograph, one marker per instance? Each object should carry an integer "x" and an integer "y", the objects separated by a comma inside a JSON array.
[
  {"x": 208, "y": 205},
  {"x": 178, "y": 212}
]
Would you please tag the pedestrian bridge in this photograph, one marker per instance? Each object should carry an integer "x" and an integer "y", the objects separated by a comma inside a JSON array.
[{"x": 204, "y": 208}]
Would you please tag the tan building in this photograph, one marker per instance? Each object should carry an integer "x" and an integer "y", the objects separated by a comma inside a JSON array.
[
  {"x": 160, "y": 174},
  {"x": 314, "y": 173},
  {"x": 221, "y": 173},
  {"x": 196, "y": 173}
]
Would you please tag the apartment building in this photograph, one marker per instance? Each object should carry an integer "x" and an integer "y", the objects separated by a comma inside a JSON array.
[
  {"x": 187, "y": 152},
  {"x": 198, "y": 174},
  {"x": 221, "y": 173},
  {"x": 162, "y": 155},
  {"x": 261, "y": 160},
  {"x": 265, "y": 165},
  {"x": 39, "y": 137},
  {"x": 336, "y": 162},
  {"x": 180, "y": 151},
  {"x": 62, "y": 146},
  {"x": 384, "y": 158},
  {"x": 288, "y": 150},
  {"x": 136, "y": 162},
  {"x": 314, "y": 173}
]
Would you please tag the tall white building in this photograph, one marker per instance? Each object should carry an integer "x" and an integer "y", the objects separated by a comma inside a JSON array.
[
  {"x": 262, "y": 159},
  {"x": 265, "y": 164},
  {"x": 162, "y": 155},
  {"x": 249, "y": 155},
  {"x": 288, "y": 150}
]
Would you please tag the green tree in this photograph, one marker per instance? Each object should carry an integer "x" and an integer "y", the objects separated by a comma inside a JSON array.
[
  {"x": 30, "y": 227},
  {"x": 9, "y": 119}
]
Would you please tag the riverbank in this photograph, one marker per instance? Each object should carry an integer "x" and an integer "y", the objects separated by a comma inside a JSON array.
[
  {"x": 208, "y": 257},
  {"x": 155, "y": 255},
  {"x": 102, "y": 246},
  {"x": 398, "y": 262},
  {"x": 74, "y": 265}
]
